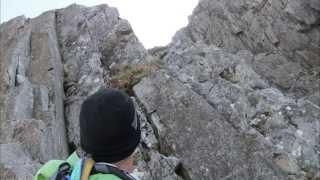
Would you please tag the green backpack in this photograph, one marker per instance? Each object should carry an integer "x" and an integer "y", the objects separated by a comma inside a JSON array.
[{"x": 80, "y": 169}]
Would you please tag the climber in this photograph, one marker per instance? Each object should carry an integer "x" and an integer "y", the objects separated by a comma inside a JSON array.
[{"x": 109, "y": 134}]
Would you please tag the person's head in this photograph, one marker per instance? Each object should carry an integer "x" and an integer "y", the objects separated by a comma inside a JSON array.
[{"x": 109, "y": 126}]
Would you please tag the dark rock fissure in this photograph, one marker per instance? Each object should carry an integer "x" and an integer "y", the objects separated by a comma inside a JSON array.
[
  {"x": 181, "y": 171},
  {"x": 17, "y": 72},
  {"x": 179, "y": 168}
]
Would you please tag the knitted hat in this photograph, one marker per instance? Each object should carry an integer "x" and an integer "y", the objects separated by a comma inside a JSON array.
[{"x": 109, "y": 126}]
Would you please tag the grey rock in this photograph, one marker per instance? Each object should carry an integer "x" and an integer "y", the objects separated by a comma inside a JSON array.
[
  {"x": 49, "y": 65},
  {"x": 286, "y": 75},
  {"x": 253, "y": 92},
  {"x": 287, "y": 30},
  {"x": 148, "y": 138},
  {"x": 162, "y": 167},
  {"x": 237, "y": 96},
  {"x": 91, "y": 39},
  {"x": 31, "y": 87},
  {"x": 150, "y": 164},
  {"x": 238, "y": 58},
  {"x": 15, "y": 163},
  {"x": 34, "y": 137},
  {"x": 205, "y": 133},
  {"x": 285, "y": 164}
]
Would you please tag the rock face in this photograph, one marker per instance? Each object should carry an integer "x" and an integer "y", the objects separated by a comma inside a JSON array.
[
  {"x": 236, "y": 94},
  {"x": 209, "y": 142},
  {"x": 283, "y": 34},
  {"x": 256, "y": 63},
  {"x": 49, "y": 65},
  {"x": 245, "y": 59},
  {"x": 91, "y": 39},
  {"x": 32, "y": 110}
]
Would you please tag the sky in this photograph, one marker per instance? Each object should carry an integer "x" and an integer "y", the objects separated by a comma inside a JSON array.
[{"x": 153, "y": 21}]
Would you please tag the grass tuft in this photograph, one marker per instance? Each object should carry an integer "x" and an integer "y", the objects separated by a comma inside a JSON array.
[{"x": 124, "y": 77}]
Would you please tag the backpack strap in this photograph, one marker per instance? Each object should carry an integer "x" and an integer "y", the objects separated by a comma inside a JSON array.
[
  {"x": 86, "y": 168},
  {"x": 76, "y": 171},
  {"x": 106, "y": 168},
  {"x": 62, "y": 172}
]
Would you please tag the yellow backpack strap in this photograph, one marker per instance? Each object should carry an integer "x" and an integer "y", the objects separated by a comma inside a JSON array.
[{"x": 86, "y": 169}]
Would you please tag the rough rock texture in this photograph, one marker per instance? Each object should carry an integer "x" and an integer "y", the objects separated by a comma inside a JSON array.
[
  {"x": 256, "y": 63},
  {"x": 16, "y": 164},
  {"x": 91, "y": 39},
  {"x": 284, "y": 33},
  {"x": 197, "y": 134},
  {"x": 236, "y": 95},
  {"x": 32, "y": 110},
  {"x": 152, "y": 164},
  {"x": 48, "y": 65}
]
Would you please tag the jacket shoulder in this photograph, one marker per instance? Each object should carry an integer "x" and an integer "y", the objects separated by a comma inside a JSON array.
[{"x": 49, "y": 168}]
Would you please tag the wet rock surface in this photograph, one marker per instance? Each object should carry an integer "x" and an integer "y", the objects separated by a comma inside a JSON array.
[{"x": 235, "y": 95}]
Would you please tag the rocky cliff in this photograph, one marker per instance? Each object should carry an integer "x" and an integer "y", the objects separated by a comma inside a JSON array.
[{"x": 235, "y": 95}]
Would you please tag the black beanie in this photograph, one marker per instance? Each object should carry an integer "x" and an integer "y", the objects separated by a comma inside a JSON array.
[{"x": 109, "y": 126}]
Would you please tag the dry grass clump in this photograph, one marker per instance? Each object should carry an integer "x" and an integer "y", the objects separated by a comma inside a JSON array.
[{"x": 124, "y": 77}]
